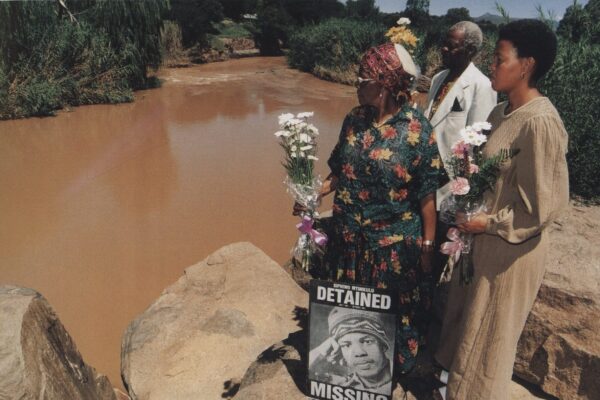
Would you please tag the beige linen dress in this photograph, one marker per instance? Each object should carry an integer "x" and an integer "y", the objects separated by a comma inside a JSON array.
[{"x": 484, "y": 320}]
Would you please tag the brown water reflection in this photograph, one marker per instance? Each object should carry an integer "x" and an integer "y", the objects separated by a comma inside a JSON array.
[{"x": 105, "y": 206}]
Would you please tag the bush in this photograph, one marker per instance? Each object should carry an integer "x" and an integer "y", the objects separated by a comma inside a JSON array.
[
  {"x": 573, "y": 85},
  {"x": 336, "y": 44},
  {"x": 49, "y": 61}
]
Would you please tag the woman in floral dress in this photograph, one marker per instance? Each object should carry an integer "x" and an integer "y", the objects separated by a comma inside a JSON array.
[{"x": 384, "y": 172}]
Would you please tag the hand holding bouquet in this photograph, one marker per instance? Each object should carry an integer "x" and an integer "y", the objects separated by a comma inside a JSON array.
[
  {"x": 298, "y": 140},
  {"x": 470, "y": 176}
]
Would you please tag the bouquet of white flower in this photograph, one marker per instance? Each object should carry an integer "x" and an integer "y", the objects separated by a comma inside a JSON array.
[
  {"x": 298, "y": 140},
  {"x": 470, "y": 176}
]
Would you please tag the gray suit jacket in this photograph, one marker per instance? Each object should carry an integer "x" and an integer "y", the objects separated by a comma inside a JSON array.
[{"x": 473, "y": 92}]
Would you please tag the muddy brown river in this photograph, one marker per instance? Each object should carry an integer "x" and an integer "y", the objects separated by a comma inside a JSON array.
[{"x": 104, "y": 206}]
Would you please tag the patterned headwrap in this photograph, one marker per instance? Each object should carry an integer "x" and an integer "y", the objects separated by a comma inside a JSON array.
[
  {"x": 342, "y": 321},
  {"x": 391, "y": 65}
]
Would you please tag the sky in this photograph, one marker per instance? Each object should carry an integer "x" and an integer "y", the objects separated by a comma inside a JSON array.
[{"x": 515, "y": 8}]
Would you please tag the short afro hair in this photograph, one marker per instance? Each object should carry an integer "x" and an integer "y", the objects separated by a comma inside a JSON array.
[
  {"x": 532, "y": 38},
  {"x": 473, "y": 34}
]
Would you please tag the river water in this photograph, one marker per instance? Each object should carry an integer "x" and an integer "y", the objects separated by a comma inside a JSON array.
[{"x": 104, "y": 206}]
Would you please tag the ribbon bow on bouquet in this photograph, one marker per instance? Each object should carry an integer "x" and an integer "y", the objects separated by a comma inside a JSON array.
[
  {"x": 306, "y": 227},
  {"x": 458, "y": 249},
  {"x": 455, "y": 247}
]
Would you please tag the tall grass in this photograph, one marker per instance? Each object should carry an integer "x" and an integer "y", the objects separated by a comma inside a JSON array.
[
  {"x": 68, "y": 65},
  {"x": 573, "y": 85},
  {"x": 50, "y": 61}
]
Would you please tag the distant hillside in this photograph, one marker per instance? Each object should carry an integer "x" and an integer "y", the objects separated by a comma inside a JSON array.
[
  {"x": 493, "y": 18},
  {"x": 497, "y": 19}
]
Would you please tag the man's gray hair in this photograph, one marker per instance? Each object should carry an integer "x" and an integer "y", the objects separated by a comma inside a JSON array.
[{"x": 473, "y": 34}]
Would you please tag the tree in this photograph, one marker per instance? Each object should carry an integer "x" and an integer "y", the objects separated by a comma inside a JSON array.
[
  {"x": 454, "y": 15},
  {"x": 575, "y": 23},
  {"x": 312, "y": 11},
  {"x": 593, "y": 10},
  {"x": 363, "y": 9},
  {"x": 418, "y": 5},
  {"x": 195, "y": 17},
  {"x": 271, "y": 23},
  {"x": 133, "y": 28},
  {"x": 418, "y": 12}
]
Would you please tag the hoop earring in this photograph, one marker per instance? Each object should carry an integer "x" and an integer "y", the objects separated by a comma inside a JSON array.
[{"x": 522, "y": 75}]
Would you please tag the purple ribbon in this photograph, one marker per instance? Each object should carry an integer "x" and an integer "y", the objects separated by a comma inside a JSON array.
[{"x": 306, "y": 226}]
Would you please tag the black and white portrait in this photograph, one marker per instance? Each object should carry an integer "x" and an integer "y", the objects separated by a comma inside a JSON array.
[{"x": 350, "y": 348}]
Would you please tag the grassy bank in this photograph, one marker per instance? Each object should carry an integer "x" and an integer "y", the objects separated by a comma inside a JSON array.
[
  {"x": 331, "y": 50},
  {"x": 54, "y": 57}
]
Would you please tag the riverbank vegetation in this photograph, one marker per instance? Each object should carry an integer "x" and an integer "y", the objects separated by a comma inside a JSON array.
[{"x": 92, "y": 52}]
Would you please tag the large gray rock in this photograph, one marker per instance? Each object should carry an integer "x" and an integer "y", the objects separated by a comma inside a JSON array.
[
  {"x": 559, "y": 349},
  {"x": 197, "y": 340},
  {"x": 38, "y": 359}
]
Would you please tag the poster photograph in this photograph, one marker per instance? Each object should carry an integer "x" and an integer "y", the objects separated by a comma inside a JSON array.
[{"x": 351, "y": 341}]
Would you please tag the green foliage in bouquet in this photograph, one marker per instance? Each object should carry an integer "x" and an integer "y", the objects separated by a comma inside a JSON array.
[
  {"x": 299, "y": 170},
  {"x": 489, "y": 169}
]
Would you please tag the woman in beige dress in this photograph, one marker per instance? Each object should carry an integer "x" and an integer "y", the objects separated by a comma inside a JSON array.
[{"x": 484, "y": 320}]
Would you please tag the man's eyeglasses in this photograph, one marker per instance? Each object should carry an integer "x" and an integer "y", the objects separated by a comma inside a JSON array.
[{"x": 359, "y": 81}]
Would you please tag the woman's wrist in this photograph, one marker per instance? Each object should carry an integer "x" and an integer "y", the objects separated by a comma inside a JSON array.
[{"x": 427, "y": 245}]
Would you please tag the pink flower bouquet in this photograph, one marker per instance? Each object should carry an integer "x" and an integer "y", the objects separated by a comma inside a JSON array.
[{"x": 470, "y": 176}]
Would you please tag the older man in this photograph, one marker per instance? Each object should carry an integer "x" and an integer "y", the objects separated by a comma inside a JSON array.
[{"x": 459, "y": 95}]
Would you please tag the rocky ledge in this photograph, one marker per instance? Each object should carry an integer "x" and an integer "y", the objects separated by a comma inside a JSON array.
[
  {"x": 38, "y": 359},
  {"x": 234, "y": 327},
  {"x": 197, "y": 340},
  {"x": 559, "y": 349}
]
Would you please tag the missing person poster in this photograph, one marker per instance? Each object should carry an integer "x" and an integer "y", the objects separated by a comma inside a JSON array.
[{"x": 351, "y": 340}]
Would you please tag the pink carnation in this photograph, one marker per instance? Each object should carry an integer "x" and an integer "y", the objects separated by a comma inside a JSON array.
[
  {"x": 459, "y": 149},
  {"x": 473, "y": 168},
  {"x": 459, "y": 186}
]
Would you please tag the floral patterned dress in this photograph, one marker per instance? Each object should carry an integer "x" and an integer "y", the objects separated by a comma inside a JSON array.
[{"x": 383, "y": 172}]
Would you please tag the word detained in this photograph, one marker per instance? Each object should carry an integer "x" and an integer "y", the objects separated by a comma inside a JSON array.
[{"x": 352, "y": 298}]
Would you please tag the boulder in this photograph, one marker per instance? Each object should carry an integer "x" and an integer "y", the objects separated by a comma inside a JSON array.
[
  {"x": 199, "y": 337},
  {"x": 38, "y": 359},
  {"x": 223, "y": 330},
  {"x": 279, "y": 373},
  {"x": 559, "y": 349}
]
